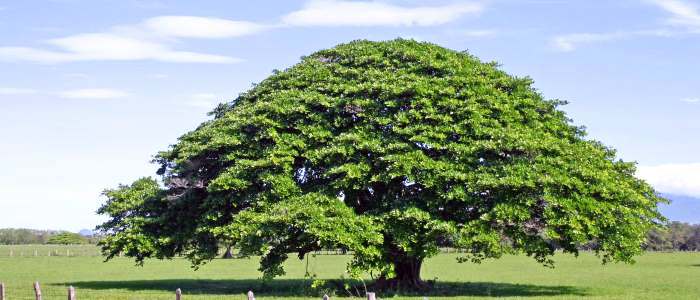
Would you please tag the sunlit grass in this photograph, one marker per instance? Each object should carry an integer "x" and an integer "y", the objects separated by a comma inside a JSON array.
[{"x": 654, "y": 276}]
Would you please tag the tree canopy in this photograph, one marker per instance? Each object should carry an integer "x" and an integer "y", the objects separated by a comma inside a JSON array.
[
  {"x": 388, "y": 150},
  {"x": 67, "y": 238}
]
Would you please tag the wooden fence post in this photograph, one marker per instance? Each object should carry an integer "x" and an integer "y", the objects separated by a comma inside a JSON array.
[
  {"x": 71, "y": 293},
  {"x": 371, "y": 296},
  {"x": 178, "y": 294},
  {"x": 2, "y": 291},
  {"x": 37, "y": 290},
  {"x": 251, "y": 296}
]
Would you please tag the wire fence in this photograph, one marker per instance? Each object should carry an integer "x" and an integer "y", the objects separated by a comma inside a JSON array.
[
  {"x": 37, "y": 292},
  {"x": 48, "y": 250}
]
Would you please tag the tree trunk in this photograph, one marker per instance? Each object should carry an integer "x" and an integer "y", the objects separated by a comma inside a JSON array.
[
  {"x": 228, "y": 253},
  {"x": 406, "y": 277},
  {"x": 408, "y": 273}
]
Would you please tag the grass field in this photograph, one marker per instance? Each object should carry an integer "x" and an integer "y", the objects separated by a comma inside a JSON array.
[{"x": 655, "y": 276}]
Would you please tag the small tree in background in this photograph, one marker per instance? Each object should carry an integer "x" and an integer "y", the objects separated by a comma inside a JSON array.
[
  {"x": 388, "y": 150},
  {"x": 67, "y": 238}
]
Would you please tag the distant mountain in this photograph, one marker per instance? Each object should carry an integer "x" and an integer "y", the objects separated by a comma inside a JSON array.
[
  {"x": 86, "y": 232},
  {"x": 682, "y": 208}
]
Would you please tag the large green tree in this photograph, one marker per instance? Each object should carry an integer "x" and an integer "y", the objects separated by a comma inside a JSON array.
[{"x": 388, "y": 150}]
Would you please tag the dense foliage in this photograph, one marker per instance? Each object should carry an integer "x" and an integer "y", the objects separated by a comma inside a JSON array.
[
  {"x": 388, "y": 150},
  {"x": 67, "y": 238}
]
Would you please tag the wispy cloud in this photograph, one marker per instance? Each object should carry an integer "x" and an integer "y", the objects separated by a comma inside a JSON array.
[
  {"x": 96, "y": 93},
  {"x": 682, "y": 179},
  {"x": 683, "y": 13},
  {"x": 16, "y": 91},
  {"x": 154, "y": 38},
  {"x": 684, "y": 20},
  {"x": 199, "y": 27},
  {"x": 150, "y": 40},
  {"x": 373, "y": 13},
  {"x": 691, "y": 100},
  {"x": 569, "y": 42},
  {"x": 87, "y": 93},
  {"x": 89, "y": 47}
]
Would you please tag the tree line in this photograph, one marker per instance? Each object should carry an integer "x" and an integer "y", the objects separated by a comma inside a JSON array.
[
  {"x": 676, "y": 236},
  {"x": 22, "y": 236}
]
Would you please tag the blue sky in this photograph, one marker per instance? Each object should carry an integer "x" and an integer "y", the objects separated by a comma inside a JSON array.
[{"x": 90, "y": 90}]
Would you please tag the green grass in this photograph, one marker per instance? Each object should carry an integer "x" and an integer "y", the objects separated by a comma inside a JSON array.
[{"x": 654, "y": 276}]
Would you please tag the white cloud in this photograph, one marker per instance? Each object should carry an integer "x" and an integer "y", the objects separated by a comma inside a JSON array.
[
  {"x": 31, "y": 54},
  {"x": 569, "y": 42},
  {"x": 200, "y": 27},
  {"x": 372, "y": 13},
  {"x": 691, "y": 100},
  {"x": 153, "y": 38},
  {"x": 90, "y": 93},
  {"x": 15, "y": 91},
  {"x": 148, "y": 41},
  {"x": 682, "y": 13},
  {"x": 93, "y": 94},
  {"x": 107, "y": 46},
  {"x": 100, "y": 46},
  {"x": 682, "y": 179}
]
